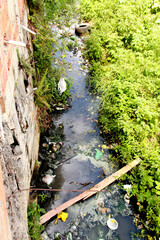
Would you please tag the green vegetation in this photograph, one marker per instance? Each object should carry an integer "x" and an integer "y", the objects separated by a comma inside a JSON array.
[
  {"x": 124, "y": 51},
  {"x": 34, "y": 213},
  {"x": 35, "y": 228},
  {"x": 46, "y": 75},
  {"x": 25, "y": 64}
]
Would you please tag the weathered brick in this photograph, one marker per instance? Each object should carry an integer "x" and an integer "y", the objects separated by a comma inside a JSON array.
[
  {"x": 2, "y": 57},
  {"x": 2, "y": 105},
  {"x": 20, "y": 5},
  {"x": 4, "y": 18},
  {"x": 1, "y": 37},
  {"x": 15, "y": 33},
  {"x": 1, "y": 65},
  {"x": 4, "y": 78},
  {"x": 10, "y": 56},
  {"x": 9, "y": 30}
]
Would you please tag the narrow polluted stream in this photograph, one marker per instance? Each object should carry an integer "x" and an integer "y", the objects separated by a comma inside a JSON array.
[{"x": 76, "y": 156}]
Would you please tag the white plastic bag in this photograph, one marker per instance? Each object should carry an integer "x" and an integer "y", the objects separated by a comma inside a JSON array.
[{"x": 62, "y": 85}]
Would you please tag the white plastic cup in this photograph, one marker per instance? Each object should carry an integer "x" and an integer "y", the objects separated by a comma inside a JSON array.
[{"x": 112, "y": 224}]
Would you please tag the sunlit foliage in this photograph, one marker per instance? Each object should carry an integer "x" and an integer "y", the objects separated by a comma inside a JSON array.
[{"x": 124, "y": 51}]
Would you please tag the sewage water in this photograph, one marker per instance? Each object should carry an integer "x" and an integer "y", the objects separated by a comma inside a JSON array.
[{"x": 74, "y": 166}]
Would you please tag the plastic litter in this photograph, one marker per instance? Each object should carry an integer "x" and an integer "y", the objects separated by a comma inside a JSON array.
[
  {"x": 112, "y": 224},
  {"x": 127, "y": 187},
  {"x": 69, "y": 236},
  {"x": 48, "y": 179},
  {"x": 62, "y": 215},
  {"x": 44, "y": 236},
  {"x": 57, "y": 236},
  {"x": 29, "y": 30},
  {"x": 60, "y": 143},
  {"x": 98, "y": 154},
  {"x": 21, "y": 44},
  {"x": 62, "y": 85},
  {"x": 127, "y": 198}
]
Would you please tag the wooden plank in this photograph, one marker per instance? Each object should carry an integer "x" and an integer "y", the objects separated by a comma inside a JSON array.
[
  {"x": 86, "y": 194},
  {"x": 107, "y": 181}
]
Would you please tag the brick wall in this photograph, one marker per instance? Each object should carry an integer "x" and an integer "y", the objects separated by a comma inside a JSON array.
[
  {"x": 10, "y": 28},
  {"x": 19, "y": 136}
]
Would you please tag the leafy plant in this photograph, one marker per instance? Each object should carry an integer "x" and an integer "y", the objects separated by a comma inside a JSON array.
[
  {"x": 42, "y": 93},
  {"x": 35, "y": 228},
  {"x": 25, "y": 64}
]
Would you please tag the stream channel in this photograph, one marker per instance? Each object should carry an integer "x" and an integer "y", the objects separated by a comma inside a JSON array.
[{"x": 73, "y": 164}]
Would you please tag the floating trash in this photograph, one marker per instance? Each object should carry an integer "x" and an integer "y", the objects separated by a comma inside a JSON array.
[
  {"x": 98, "y": 154},
  {"x": 62, "y": 85},
  {"x": 45, "y": 145},
  {"x": 69, "y": 236},
  {"x": 127, "y": 198},
  {"x": 57, "y": 236},
  {"x": 48, "y": 179},
  {"x": 112, "y": 224},
  {"x": 44, "y": 236},
  {"x": 62, "y": 215},
  {"x": 127, "y": 187}
]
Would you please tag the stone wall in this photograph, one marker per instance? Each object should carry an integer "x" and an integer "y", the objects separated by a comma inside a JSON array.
[{"x": 19, "y": 135}]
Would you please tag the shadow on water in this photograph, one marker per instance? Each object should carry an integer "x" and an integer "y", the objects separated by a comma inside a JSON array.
[{"x": 73, "y": 165}]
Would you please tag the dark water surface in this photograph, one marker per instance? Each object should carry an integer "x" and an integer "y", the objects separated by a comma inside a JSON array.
[{"x": 77, "y": 129}]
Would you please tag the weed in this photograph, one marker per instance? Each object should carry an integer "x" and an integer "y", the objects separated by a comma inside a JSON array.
[
  {"x": 25, "y": 64},
  {"x": 44, "y": 119},
  {"x": 35, "y": 228}
]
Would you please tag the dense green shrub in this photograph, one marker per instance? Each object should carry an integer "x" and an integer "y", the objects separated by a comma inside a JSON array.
[{"x": 124, "y": 51}]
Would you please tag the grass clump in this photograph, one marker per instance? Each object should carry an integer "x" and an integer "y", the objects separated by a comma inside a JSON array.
[
  {"x": 34, "y": 214},
  {"x": 35, "y": 228}
]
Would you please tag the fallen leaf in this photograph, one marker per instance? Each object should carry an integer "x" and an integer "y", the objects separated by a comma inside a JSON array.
[{"x": 104, "y": 146}]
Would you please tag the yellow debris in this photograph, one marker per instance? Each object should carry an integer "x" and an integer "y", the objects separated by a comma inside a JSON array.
[
  {"x": 104, "y": 146},
  {"x": 62, "y": 215}
]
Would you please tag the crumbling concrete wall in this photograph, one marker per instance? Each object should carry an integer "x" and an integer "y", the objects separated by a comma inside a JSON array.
[{"x": 19, "y": 135}]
